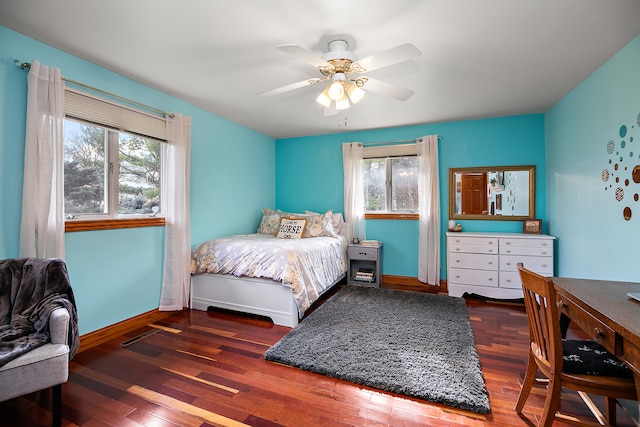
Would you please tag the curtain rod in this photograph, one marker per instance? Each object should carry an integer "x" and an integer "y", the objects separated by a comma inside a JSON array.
[
  {"x": 392, "y": 142},
  {"x": 27, "y": 65}
]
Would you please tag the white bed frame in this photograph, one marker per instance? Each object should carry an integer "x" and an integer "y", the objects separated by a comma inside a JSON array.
[{"x": 264, "y": 297}]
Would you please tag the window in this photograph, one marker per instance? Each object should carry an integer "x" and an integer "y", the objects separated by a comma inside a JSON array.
[
  {"x": 109, "y": 173},
  {"x": 112, "y": 159},
  {"x": 390, "y": 176},
  {"x": 391, "y": 184}
]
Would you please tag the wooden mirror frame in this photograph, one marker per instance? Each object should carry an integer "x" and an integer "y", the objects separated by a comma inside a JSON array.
[{"x": 532, "y": 192}]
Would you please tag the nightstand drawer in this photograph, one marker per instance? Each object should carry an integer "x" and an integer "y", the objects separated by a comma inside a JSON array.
[{"x": 362, "y": 252}]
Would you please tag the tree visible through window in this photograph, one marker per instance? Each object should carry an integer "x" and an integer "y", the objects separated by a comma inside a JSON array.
[
  {"x": 108, "y": 172},
  {"x": 391, "y": 184}
]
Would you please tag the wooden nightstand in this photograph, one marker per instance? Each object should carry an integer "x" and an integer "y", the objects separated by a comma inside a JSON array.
[{"x": 365, "y": 265}]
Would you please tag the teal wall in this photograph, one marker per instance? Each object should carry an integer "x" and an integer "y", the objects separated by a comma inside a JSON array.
[
  {"x": 117, "y": 274},
  {"x": 594, "y": 239},
  {"x": 309, "y": 175},
  {"x": 235, "y": 172}
]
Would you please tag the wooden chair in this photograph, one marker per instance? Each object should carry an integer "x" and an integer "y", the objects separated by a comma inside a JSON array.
[{"x": 574, "y": 364}]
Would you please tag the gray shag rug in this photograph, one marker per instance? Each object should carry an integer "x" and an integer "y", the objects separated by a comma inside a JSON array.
[{"x": 411, "y": 343}]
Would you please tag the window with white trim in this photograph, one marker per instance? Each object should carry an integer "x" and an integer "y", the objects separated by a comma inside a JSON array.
[
  {"x": 390, "y": 176},
  {"x": 112, "y": 159}
]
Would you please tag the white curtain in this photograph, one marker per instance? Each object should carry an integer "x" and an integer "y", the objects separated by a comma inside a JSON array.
[
  {"x": 352, "y": 154},
  {"x": 429, "y": 210},
  {"x": 175, "y": 187},
  {"x": 42, "y": 224}
]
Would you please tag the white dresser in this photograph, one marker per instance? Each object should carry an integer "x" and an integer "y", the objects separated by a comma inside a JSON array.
[{"x": 485, "y": 263}]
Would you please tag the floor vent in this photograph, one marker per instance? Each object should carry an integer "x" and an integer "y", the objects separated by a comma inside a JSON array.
[{"x": 139, "y": 337}]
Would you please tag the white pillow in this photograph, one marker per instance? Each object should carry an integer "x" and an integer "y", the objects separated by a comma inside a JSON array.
[{"x": 336, "y": 220}]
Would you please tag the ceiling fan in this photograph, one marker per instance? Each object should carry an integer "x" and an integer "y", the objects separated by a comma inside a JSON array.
[{"x": 342, "y": 68}]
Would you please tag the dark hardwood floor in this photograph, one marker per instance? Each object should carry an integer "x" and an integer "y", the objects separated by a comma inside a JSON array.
[{"x": 207, "y": 369}]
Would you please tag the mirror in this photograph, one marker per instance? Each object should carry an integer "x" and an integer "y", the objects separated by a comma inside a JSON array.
[{"x": 505, "y": 193}]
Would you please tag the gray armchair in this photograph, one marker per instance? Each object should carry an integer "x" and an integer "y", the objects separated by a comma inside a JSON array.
[{"x": 38, "y": 329}]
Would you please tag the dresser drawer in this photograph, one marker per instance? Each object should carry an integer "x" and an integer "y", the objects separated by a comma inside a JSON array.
[
  {"x": 474, "y": 249},
  {"x": 364, "y": 253},
  {"x": 475, "y": 241},
  {"x": 525, "y": 250},
  {"x": 510, "y": 280},
  {"x": 530, "y": 243},
  {"x": 539, "y": 264},
  {"x": 473, "y": 277},
  {"x": 601, "y": 332},
  {"x": 473, "y": 261}
]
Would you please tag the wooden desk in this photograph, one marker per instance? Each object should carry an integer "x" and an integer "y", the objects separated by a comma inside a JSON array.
[{"x": 604, "y": 311}]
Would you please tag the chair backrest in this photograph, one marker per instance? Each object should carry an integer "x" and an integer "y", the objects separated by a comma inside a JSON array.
[{"x": 544, "y": 319}]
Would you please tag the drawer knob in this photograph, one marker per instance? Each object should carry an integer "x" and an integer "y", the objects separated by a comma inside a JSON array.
[
  {"x": 599, "y": 332},
  {"x": 544, "y": 252},
  {"x": 490, "y": 251},
  {"x": 508, "y": 251},
  {"x": 490, "y": 262},
  {"x": 457, "y": 277},
  {"x": 363, "y": 253},
  {"x": 562, "y": 304},
  {"x": 508, "y": 243},
  {"x": 508, "y": 263},
  {"x": 490, "y": 279},
  {"x": 457, "y": 260}
]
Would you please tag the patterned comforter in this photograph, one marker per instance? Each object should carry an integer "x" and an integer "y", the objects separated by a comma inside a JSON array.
[{"x": 307, "y": 266}]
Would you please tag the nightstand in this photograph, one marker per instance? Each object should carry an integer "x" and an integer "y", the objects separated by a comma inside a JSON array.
[{"x": 365, "y": 265}]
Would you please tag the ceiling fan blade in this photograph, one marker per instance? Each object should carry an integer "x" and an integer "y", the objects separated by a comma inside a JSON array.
[
  {"x": 401, "y": 53},
  {"x": 387, "y": 89},
  {"x": 331, "y": 110},
  {"x": 304, "y": 54},
  {"x": 291, "y": 86}
]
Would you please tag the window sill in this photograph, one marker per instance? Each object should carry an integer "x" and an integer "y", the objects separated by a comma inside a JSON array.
[
  {"x": 112, "y": 224},
  {"x": 413, "y": 216}
]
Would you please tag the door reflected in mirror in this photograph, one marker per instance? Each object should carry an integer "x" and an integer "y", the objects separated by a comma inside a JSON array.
[{"x": 497, "y": 192}]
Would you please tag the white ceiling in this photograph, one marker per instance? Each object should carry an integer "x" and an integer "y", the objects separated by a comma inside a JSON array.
[{"x": 480, "y": 58}]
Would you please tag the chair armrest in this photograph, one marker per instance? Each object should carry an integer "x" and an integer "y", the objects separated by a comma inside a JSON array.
[{"x": 59, "y": 326}]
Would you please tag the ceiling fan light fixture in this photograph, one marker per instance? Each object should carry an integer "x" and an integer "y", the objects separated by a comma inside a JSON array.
[
  {"x": 354, "y": 92},
  {"x": 342, "y": 103},
  {"x": 323, "y": 99},
  {"x": 336, "y": 89}
]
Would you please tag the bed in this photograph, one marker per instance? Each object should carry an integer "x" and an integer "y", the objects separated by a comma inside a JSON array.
[{"x": 271, "y": 276}]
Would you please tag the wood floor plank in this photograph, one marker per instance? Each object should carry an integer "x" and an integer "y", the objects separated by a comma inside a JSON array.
[
  {"x": 213, "y": 372},
  {"x": 185, "y": 408}
]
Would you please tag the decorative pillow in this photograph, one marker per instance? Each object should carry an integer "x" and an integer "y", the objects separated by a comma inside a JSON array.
[
  {"x": 291, "y": 228},
  {"x": 318, "y": 224},
  {"x": 322, "y": 224},
  {"x": 270, "y": 221}
]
